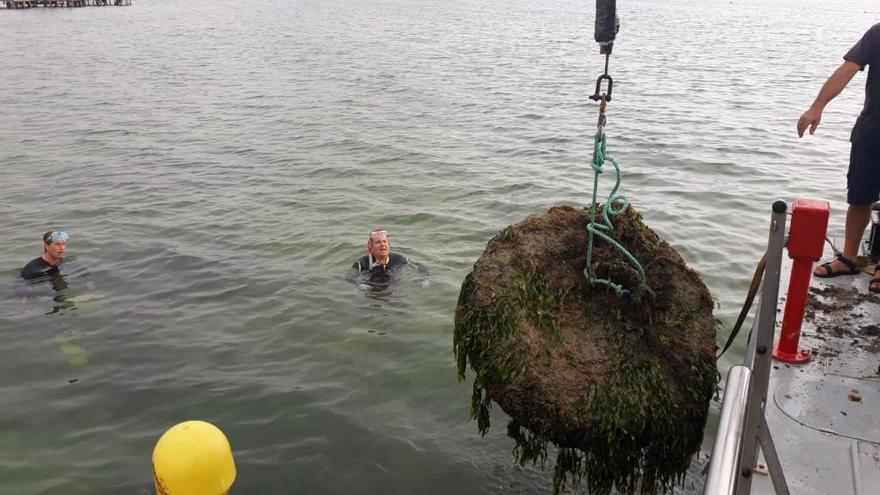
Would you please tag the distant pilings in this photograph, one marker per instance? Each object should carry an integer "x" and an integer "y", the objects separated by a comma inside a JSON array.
[{"x": 31, "y": 4}]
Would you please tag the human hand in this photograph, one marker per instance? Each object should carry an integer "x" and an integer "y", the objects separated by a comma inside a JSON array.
[{"x": 810, "y": 118}]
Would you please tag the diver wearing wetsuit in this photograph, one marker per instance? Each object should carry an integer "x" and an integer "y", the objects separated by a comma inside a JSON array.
[
  {"x": 54, "y": 247},
  {"x": 380, "y": 260}
]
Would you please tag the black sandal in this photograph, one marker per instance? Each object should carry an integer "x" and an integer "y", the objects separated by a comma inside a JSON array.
[
  {"x": 875, "y": 280},
  {"x": 829, "y": 273}
]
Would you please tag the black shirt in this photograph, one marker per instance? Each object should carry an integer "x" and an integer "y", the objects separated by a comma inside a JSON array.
[
  {"x": 867, "y": 52},
  {"x": 39, "y": 268}
]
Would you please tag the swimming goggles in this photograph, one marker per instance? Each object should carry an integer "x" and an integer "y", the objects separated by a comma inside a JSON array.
[
  {"x": 375, "y": 232},
  {"x": 57, "y": 236}
]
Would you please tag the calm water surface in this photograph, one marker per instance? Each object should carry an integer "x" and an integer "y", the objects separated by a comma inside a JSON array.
[{"x": 218, "y": 164}]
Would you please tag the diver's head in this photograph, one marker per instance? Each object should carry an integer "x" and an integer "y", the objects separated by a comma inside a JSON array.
[
  {"x": 193, "y": 457},
  {"x": 379, "y": 246},
  {"x": 54, "y": 245}
]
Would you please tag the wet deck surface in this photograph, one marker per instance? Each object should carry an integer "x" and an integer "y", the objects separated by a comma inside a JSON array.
[{"x": 824, "y": 415}]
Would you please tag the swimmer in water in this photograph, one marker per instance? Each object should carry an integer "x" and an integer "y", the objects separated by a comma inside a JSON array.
[
  {"x": 47, "y": 265},
  {"x": 379, "y": 259}
]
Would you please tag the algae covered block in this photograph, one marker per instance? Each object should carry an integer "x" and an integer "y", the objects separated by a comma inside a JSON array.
[{"x": 620, "y": 385}]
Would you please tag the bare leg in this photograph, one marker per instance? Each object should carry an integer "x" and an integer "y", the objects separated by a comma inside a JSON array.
[{"x": 857, "y": 218}]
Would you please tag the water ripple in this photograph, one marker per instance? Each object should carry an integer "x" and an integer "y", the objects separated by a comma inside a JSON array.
[{"x": 219, "y": 167}]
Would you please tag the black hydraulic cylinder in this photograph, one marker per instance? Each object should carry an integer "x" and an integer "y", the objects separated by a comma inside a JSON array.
[{"x": 607, "y": 24}]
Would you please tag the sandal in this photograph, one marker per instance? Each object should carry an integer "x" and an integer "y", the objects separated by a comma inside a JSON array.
[
  {"x": 874, "y": 283},
  {"x": 829, "y": 273}
]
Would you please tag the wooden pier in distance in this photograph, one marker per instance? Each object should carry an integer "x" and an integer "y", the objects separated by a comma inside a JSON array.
[{"x": 30, "y": 4}]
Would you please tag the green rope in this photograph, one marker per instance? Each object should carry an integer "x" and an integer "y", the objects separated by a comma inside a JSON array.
[{"x": 608, "y": 211}]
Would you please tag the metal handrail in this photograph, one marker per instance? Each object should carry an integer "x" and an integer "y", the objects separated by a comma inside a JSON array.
[
  {"x": 742, "y": 428},
  {"x": 726, "y": 452}
]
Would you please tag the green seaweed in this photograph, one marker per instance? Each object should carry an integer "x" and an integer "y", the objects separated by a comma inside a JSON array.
[
  {"x": 637, "y": 426},
  {"x": 508, "y": 235},
  {"x": 477, "y": 331},
  {"x": 640, "y": 441},
  {"x": 530, "y": 448},
  {"x": 492, "y": 327},
  {"x": 540, "y": 300}
]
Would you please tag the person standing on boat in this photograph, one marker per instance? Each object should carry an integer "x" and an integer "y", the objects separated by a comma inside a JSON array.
[
  {"x": 54, "y": 248},
  {"x": 863, "y": 178}
]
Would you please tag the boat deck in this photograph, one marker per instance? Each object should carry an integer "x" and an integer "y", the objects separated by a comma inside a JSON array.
[{"x": 824, "y": 415}]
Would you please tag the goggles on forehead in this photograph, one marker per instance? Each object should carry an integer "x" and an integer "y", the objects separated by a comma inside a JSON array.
[
  {"x": 56, "y": 236},
  {"x": 377, "y": 232}
]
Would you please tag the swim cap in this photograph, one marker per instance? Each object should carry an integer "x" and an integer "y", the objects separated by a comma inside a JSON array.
[
  {"x": 54, "y": 236},
  {"x": 193, "y": 458}
]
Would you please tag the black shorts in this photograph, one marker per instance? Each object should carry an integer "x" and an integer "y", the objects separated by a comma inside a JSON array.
[{"x": 863, "y": 178}]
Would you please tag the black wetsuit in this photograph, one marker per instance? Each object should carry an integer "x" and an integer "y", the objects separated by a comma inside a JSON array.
[
  {"x": 379, "y": 273},
  {"x": 38, "y": 268},
  {"x": 394, "y": 260}
]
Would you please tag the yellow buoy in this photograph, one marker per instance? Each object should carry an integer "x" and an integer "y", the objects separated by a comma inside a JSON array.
[{"x": 193, "y": 458}]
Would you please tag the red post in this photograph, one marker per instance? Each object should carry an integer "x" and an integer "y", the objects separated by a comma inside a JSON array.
[{"x": 809, "y": 222}]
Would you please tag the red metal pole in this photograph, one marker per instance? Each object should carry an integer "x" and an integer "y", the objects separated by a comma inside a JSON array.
[
  {"x": 786, "y": 349},
  {"x": 809, "y": 222}
]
